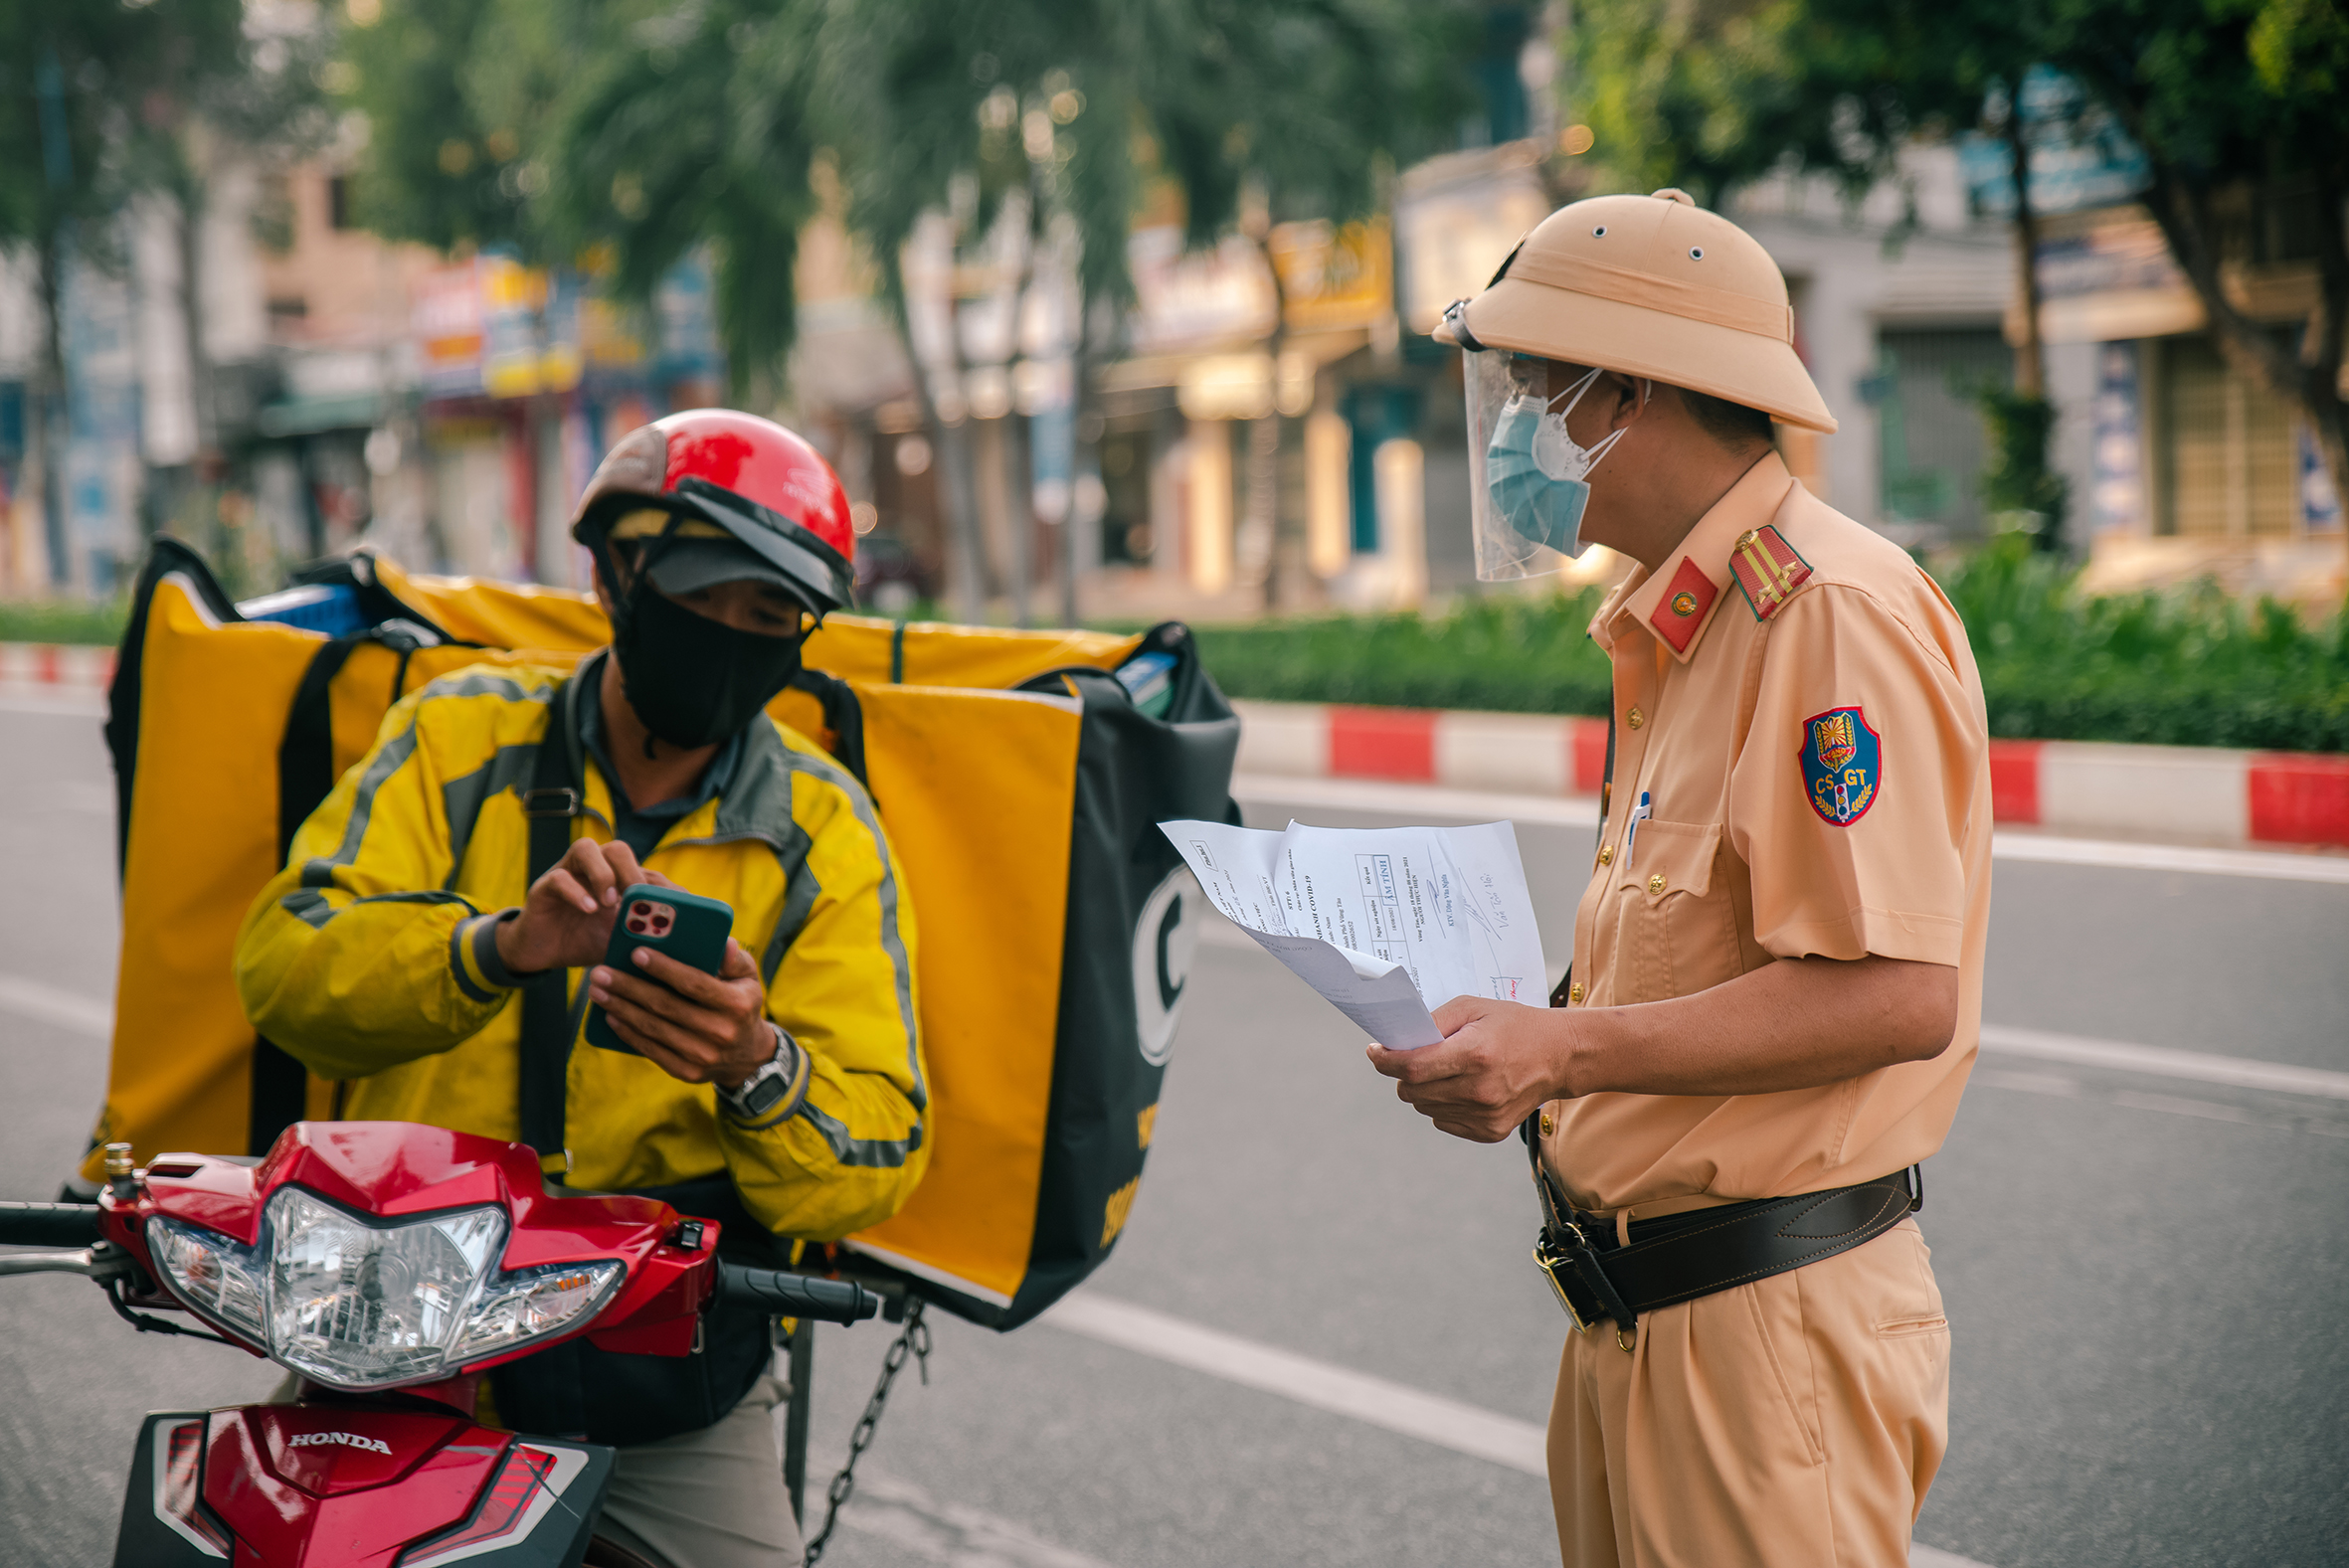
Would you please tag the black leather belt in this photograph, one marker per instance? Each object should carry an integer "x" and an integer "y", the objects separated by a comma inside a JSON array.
[{"x": 1681, "y": 1257}]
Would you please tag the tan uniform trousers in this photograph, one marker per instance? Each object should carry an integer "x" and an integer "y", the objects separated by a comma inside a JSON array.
[
  {"x": 712, "y": 1498},
  {"x": 1792, "y": 1423}
]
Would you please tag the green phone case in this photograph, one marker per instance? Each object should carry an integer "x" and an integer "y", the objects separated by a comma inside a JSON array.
[{"x": 685, "y": 926}]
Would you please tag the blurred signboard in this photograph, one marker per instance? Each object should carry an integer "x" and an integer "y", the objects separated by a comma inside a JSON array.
[
  {"x": 493, "y": 327},
  {"x": 1457, "y": 218},
  {"x": 1190, "y": 300},
  {"x": 446, "y": 317},
  {"x": 687, "y": 316},
  {"x": 96, "y": 337},
  {"x": 2079, "y": 158},
  {"x": 1335, "y": 277},
  {"x": 2114, "y": 282},
  {"x": 511, "y": 297}
]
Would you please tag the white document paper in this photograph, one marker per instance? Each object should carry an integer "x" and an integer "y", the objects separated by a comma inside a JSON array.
[{"x": 1387, "y": 922}]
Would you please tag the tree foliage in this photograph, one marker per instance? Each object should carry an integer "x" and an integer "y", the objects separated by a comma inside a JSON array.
[
  {"x": 92, "y": 88},
  {"x": 2236, "y": 104},
  {"x": 456, "y": 96}
]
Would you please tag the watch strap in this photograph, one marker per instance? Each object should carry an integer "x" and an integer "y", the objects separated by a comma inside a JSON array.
[{"x": 772, "y": 1094}]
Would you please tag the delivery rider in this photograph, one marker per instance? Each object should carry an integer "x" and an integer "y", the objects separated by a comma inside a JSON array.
[
  {"x": 784, "y": 1093},
  {"x": 1777, "y": 979}
]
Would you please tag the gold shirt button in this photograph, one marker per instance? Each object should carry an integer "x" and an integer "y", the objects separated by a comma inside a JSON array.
[
  {"x": 1574, "y": 991},
  {"x": 1635, "y": 718},
  {"x": 1606, "y": 854},
  {"x": 1548, "y": 1126},
  {"x": 1656, "y": 883}
]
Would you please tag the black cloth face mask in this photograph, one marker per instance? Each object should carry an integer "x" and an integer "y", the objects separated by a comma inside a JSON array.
[{"x": 695, "y": 681}]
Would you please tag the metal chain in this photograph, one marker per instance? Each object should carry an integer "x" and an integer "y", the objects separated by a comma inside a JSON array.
[{"x": 912, "y": 1340}]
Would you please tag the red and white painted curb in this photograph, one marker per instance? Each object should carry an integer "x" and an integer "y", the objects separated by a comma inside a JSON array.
[
  {"x": 55, "y": 664},
  {"x": 2188, "y": 793}
]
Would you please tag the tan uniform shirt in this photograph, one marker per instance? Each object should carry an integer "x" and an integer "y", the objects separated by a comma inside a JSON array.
[{"x": 1811, "y": 746}]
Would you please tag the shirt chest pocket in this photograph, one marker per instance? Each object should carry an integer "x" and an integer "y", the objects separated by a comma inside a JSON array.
[{"x": 1675, "y": 932}]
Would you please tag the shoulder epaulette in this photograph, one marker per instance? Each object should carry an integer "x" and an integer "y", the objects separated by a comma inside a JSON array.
[{"x": 1768, "y": 570}]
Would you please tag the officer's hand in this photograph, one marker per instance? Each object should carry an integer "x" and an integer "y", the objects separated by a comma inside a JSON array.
[
  {"x": 702, "y": 1028},
  {"x": 1496, "y": 1065},
  {"x": 566, "y": 920}
]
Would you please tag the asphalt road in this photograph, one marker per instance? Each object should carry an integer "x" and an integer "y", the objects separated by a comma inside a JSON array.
[{"x": 2143, "y": 1272}]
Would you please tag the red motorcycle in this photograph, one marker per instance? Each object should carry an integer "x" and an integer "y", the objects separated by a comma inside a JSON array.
[{"x": 388, "y": 1266}]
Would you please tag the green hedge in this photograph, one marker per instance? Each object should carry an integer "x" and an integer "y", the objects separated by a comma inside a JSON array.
[
  {"x": 2189, "y": 669},
  {"x": 63, "y": 620}
]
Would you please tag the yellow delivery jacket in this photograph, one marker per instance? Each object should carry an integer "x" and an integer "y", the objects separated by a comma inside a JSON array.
[{"x": 352, "y": 961}]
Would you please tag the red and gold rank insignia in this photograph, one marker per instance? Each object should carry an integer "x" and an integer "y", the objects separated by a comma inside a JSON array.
[
  {"x": 1681, "y": 611},
  {"x": 1768, "y": 570}
]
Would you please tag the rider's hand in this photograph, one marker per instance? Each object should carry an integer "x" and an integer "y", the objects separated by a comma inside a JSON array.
[
  {"x": 566, "y": 921},
  {"x": 702, "y": 1028},
  {"x": 1497, "y": 1064}
]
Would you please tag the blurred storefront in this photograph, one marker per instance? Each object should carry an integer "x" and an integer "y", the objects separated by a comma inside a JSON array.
[
  {"x": 525, "y": 376},
  {"x": 2199, "y": 468},
  {"x": 2192, "y": 467}
]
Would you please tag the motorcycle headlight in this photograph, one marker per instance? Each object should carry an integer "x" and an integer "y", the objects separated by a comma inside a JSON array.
[
  {"x": 358, "y": 1304},
  {"x": 217, "y": 1278}
]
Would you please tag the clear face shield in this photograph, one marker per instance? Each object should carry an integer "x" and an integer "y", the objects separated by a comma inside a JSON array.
[{"x": 1528, "y": 480}]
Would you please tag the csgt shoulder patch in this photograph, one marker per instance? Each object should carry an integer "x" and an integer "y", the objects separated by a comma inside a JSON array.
[
  {"x": 1768, "y": 570},
  {"x": 1843, "y": 764}
]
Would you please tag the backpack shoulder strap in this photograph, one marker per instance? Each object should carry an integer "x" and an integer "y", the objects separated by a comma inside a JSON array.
[{"x": 549, "y": 1023}]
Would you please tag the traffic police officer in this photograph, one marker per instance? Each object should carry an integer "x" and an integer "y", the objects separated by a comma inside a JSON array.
[{"x": 1777, "y": 981}]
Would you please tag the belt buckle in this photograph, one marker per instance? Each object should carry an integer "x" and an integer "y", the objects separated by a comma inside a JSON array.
[
  {"x": 1549, "y": 1263},
  {"x": 568, "y": 807}
]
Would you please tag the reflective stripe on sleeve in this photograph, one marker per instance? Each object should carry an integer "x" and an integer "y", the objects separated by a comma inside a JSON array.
[{"x": 871, "y": 1152}]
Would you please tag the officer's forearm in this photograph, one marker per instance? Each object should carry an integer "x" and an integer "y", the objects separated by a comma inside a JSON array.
[{"x": 1793, "y": 1024}]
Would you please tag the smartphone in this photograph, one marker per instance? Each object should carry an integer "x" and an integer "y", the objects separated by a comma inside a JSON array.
[{"x": 683, "y": 925}]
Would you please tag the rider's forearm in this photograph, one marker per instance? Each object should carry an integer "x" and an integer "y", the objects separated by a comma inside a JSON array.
[
  {"x": 1796, "y": 1023},
  {"x": 350, "y": 987}
]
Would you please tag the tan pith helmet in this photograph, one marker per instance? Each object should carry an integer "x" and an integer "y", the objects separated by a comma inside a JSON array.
[{"x": 1650, "y": 285}]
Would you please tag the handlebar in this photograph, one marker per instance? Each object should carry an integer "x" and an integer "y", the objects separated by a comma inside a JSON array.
[
  {"x": 49, "y": 1224},
  {"x": 795, "y": 1295}
]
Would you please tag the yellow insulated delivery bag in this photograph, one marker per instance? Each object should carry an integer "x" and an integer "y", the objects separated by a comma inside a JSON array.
[{"x": 1021, "y": 776}]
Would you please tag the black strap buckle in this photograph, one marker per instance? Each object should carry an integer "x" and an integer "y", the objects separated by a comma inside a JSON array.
[
  {"x": 1456, "y": 318},
  {"x": 550, "y": 803}
]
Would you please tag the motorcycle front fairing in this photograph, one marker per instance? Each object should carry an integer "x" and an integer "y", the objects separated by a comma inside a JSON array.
[
  {"x": 347, "y": 1308},
  {"x": 365, "y": 1486},
  {"x": 332, "y": 1242}
]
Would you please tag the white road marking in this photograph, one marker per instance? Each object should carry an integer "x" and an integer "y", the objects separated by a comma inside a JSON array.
[
  {"x": 2274, "y": 865},
  {"x": 1432, "y": 1418},
  {"x": 1921, "y": 1556},
  {"x": 49, "y": 1004},
  {"x": 961, "y": 1536},
  {"x": 1372, "y": 794},
  {"x": 2158, "y": 1060},
  {"x": 2161, "y": 1061}
]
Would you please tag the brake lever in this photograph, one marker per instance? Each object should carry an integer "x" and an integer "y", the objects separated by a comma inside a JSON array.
[{"x": 101, "y": 1261}]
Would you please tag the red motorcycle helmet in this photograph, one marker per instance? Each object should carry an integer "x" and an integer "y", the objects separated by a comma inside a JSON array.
[{"x": 693, "y": 481}]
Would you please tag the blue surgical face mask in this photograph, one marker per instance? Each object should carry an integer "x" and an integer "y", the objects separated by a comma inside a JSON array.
[{"x": 1537, "y": 474}]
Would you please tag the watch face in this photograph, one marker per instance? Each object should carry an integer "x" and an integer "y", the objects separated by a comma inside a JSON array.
[{"x": 764, "y": 1092}]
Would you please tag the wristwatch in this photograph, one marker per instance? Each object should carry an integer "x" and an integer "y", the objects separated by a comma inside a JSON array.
[{"x": 763, "y": 1098}]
